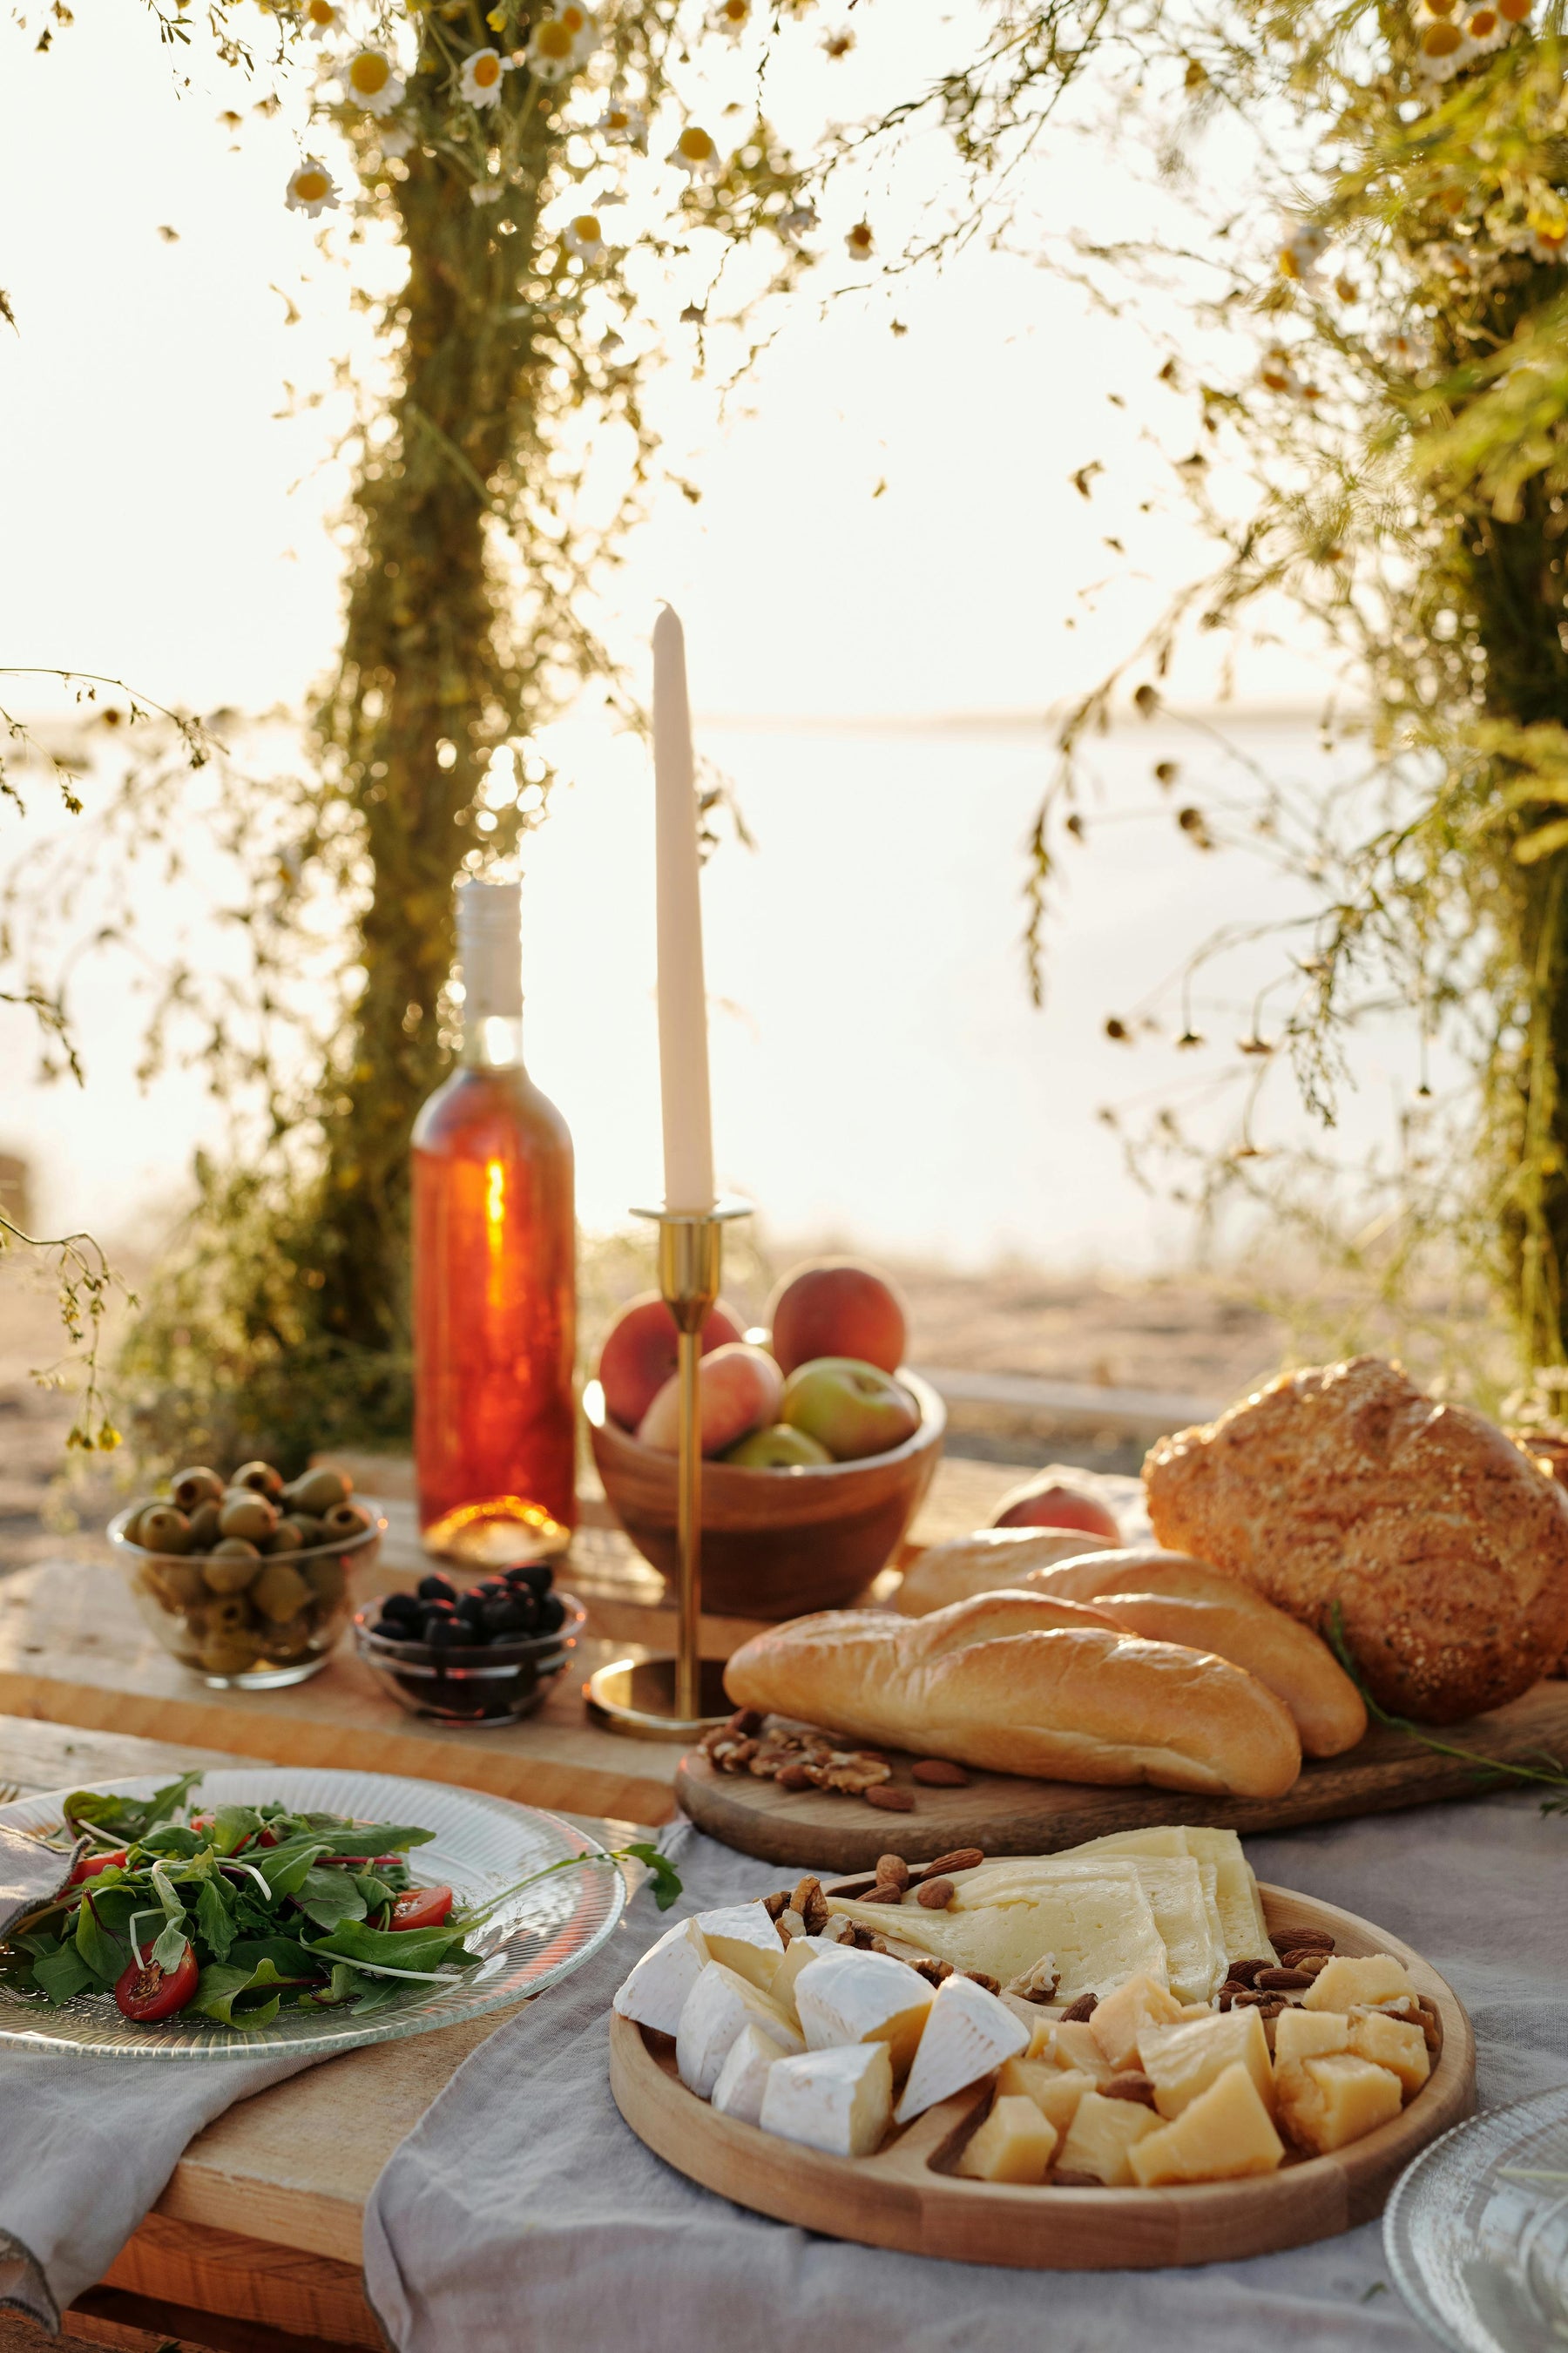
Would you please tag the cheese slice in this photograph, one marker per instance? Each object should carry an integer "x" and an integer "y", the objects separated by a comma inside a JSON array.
[
  {"x": 1242, "y": 1925},
  {"x": 744, "y": 1938},
  {"x": 968, "y": 2033},
  {"x": 1097, "y": 1926},
  {"x": 655, "y": 1992},
  {"x": 1181, "y": 2061},
  {"x": 1174, "y": 1884},
  {"x": 865, "y": 1998},
  {"x": 1208, "y": 1877},
  {"x": 837, "y": 2100},
  {"x": 743, "y": 2076},
  {"x": 716, "y": 2013},
  {"x": 1015, "y": 2143}
]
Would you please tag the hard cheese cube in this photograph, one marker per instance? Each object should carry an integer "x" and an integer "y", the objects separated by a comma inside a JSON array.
[
  {"x": 1054, "y": 2091},
  {"x": 1101, "y": 2136},
  {"x": 717, "y": 2012},
  {"x": 968, "y": 2033},
  {"x": 1377, "y": 1977},
  {"x": 1181, "y": 2061},
  {"x": 743, "y": 2076},
  {"x": 742, "y": 1936},
  {"x": 1070, "y": 2043},
  {"x": 1391, "y": 2043},
  {"x": 1015, "y": 2143},
  {"x": 863, "y": 1998},
  {"x": 1309, "y": 2034},
  {"x": 1325, "y": 2102},
  {"x": 1121, "y": 2017},
  {"x": 655, "y": 1993},
  {"x": 839, "y": 2101},
  {"x": 1221, "y": 2136}
]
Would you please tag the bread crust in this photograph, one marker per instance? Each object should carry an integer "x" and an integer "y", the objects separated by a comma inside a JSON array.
[
  {"x": 966, "y": 1565},
  {"x": 1020, "y": 1683},
  {"x": 1444, "y": 1546}
]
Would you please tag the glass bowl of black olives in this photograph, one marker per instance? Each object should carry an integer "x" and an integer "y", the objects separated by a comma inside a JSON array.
[
  {"x": 246, "y": 1579},
  {"x": 483, "y": 1653}
]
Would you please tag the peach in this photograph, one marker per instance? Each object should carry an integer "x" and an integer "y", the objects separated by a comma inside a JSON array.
[
  {"x": 638, "y": 1353},
  {"x": 738, "y": 1390},
  {"x": 836, "y": 1307},
  {"x": 1049, "y": 1501}
]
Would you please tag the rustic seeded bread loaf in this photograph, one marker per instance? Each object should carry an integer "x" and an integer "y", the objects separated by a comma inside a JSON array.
[
  {"x": 966, "y": 1565},
  {"x": 1022, "y": 1683},
  {"x": 1443, "y": 1545},
  {"x": 1168, "y": 1597}
]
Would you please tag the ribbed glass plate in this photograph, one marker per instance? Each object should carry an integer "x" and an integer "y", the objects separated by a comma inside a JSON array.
[
  {"x": 1476, "y": 2231},
  {"x": 481, "y": 1844}
]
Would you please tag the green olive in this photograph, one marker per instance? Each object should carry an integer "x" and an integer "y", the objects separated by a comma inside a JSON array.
[
  {"x": 286, "y": 1536},
  {"x": 205, "y": 1527},
  {"x": 316, "y": 1492},
  {"x": 282, "y": 1644},
  {"x": 230, "y": 1566},
  {"x": 190, "y": 1488},
  {"x": 345, "y": 1521},
  {"x": 262, "y": 1477},
  {"x": 130, "y": 1533},
  {"x": 178, "y": 1584},
  {"x": 311, "y": 1532},
  {"x": 225, "y": 1656},
  {"x": 279, "y": 1591},
  {"x": 163, "y": 1529},
  {"x": 244, "y": 1514},
  {"x": 229, "y": 1616},
  {"x": 326, "y": 1581}
]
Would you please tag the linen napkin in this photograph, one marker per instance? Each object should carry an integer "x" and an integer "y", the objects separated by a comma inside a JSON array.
[
  {"x": 521, "y": 2211},
  {"x": 89, "y": 2144}
]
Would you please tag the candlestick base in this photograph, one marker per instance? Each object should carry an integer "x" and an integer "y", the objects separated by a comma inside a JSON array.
[{"x": 637, "y": 1696}]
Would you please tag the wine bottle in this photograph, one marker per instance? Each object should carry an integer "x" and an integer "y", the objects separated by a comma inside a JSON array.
[{"x": 495, "y": 1296}]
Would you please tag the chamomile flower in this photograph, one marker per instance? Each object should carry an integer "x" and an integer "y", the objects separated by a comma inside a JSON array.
[
  {"x": 1485, "y": 30},
  {"x": 396, "y": 140},
  {"x": 585, "y": 238},
  {"x": 1276, "y": 373},
  {"x": 1407, "y": 349},
  {"x": 486, "y": 191},
  {"x": 1514, "y": 12},
  {"x": 552, "y": 51},
  {"x": 1548, "y": 224},
  {"x": 623, "y": 126},
  {"x": 1441, "y": 49},
  {"x": 1303, "y": 248},
  {"x": 480, "y": 80},
  {"x": 731, "y": 17},
  {"x": 697, "y": 155},
  {"x": 312, "y": 189},
  {"x": 320, "y": 17},
  {"x": 583, "y": 29},
  {"x": 368, "y": 77},
  {"x": 859, "y": 243}
]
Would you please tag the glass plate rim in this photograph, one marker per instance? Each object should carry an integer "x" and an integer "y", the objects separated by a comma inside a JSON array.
[
  {"x": 1409, "y": 2278},
  {"x": 444, "y": 2010}
]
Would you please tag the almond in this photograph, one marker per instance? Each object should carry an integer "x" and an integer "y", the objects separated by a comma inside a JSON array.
[
  {"x": 890, "y": 1800},
  {"x": 937, "y": 1773}
]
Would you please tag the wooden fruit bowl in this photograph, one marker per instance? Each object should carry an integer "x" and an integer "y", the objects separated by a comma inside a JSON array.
[
  {"x": 775, "y": 1544},
  {"x": 908, "y": 2196}
]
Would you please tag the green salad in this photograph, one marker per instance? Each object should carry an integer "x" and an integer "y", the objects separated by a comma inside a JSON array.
[{"x": 237, "y": 1913}]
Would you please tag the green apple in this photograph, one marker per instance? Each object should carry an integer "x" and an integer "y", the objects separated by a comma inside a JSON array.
[
  {"x": 852, "y": 1408},
  {"x": 778, "y": 1449}
]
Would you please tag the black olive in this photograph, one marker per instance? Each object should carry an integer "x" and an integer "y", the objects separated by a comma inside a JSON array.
[
  {"x": 437, "y": 1589},
  {"x": 442, "y": 1632},
  {"x": 489, "y": 1588},
  {"x": 509, "y": 1617},
  {"x": 395, "y": 1630},
  {"x": 405, "y": 1606},
  {"x": 551, "y": 1614},
  {"x": 536, "y": 1575},
  {"x": 470, "y": 1612}
]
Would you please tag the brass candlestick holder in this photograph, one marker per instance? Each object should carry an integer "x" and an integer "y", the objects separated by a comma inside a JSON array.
[{"x": 679, "y": 1697}]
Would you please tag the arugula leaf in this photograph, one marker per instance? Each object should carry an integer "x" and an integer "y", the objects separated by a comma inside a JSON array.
[
  {"x": 393, "y": 1948},
  {"x": 170, "y": 1949},
  {"x": 220, "y": 1988},
  {"x": 174, "y": 1842},
  {"x": 127, "y": 1818},
  {"x": 100, "y": 1955},
  {"x": 370, "y": 1837},
  {"x": 286, "y": 1868},
  {"x": 285, "y": 1953},
  {"x": 380, "y": 1994},
  {"x": 666, "y": 1883},
  {"x": 214, "y": 1921},
  {"x": 328, "y": 1896},
  {"x": 62, "y": 1973}
]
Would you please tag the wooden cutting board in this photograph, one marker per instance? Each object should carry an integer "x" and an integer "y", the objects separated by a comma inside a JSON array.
[{"x": 1004, "y": 1814}]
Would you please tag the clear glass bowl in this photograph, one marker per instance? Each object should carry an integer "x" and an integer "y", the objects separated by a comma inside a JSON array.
[
  {"x": 241, "y": 1641},
  {"x": 1476, "y": 2231},
  {"x": 499, "y": 1683}
]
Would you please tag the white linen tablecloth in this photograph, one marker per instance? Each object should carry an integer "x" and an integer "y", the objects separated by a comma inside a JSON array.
[{"x": 522, "y": 2215}]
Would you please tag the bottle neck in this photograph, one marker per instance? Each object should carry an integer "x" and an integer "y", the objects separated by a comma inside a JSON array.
[{"x": 491, "y": 1041}]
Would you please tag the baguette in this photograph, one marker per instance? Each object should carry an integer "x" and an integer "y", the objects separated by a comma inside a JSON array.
[
  {"x": 966, "y": 1565},
  {"x": 1018, "y": 1682},
  {"x": 1169, "y": 1596}
]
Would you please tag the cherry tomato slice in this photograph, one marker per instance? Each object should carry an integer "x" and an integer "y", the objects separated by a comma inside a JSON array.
[
  {"x": 91, "y": 1864},
  {"x": 421, "y": 1907},
  {"x": 144, "y": 1991}
]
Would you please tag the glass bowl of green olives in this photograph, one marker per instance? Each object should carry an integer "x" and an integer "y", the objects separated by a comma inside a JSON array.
[{"x": 247, "y": 1579}]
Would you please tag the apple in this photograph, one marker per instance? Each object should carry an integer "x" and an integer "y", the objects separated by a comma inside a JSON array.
[
  {"x": 836, "y": 1307},
  {"x": 738, "y": 1390},
  {"x": 778, "y": 1449},
  {"x": 1049, "y": 1501},
  {"x": 638, "y": 1353},
  {"x": 852, "y": 1407}
]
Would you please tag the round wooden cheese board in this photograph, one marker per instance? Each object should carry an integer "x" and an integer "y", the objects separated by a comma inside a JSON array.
[{"x": 909, "y": 2197}]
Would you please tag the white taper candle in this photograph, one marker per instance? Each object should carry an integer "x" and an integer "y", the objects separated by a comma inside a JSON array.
[{"x": 682, "y": 994}]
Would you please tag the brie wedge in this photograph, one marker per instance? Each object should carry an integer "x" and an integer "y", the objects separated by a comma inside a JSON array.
[
  {"x": 863, "y": 1998},
  {"x": 742, "y": 1936},
  {"x": 799, "y": 1955},
  {"x": 744, "y": 2075},
  {"x": 968, "y": 2034},
  {"x": 833, "y": 2100},
  {"x": 655, "y": 1993},
  {"x": 716, "y": 2013}
]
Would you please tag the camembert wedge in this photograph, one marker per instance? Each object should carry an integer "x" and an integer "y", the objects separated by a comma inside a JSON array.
[
  {"x": 967, "y": 2034},
  {"x": 716, "y": 2013},
  {"x": 743, "y": 2076},
  {"x": 865, "y": 1998},
  {"x": 655, "y": 1992},
  {"x": 838, "y": 2100},
  {"x": 744, "y": 1938}
]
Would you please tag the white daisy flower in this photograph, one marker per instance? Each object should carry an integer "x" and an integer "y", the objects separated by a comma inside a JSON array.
[
  {"x": 696, "y": 155},
  {"x": 1441, "y": 49},
  {"x": 480, "y": 80},
  {"x": 1405, "y": 350},
  {"x": 1303, "y": 248},
  {"x": 1486, "y": 29},
  {"x": 552, "y": 51},
  {"x": 320, "y": 17},
  {"x": 368, "y": 77},
  {"x": 312, "y": 189},
  {"x": 860, "y": 242},
  {"x": 623, "y": 126},
  {"x": 1514, "y": 12},
  {"x": 1549, "y": 234},
  {"x": 395, "y": 138},
  {"x": 486, "y": 191},
  {"x": 583, "y": 29},
  {"x": 584, "y": 237},
  {"x": 798, "y": 221},
  {"x": 731, "y": 17},
  {"x": 1276, "y": 373}
]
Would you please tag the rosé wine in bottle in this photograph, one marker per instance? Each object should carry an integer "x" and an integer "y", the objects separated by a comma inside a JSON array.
[{"x": 495, "y": 1299}]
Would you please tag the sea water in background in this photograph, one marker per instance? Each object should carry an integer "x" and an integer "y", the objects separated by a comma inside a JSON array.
[{"x": 879, "y": 1072}]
